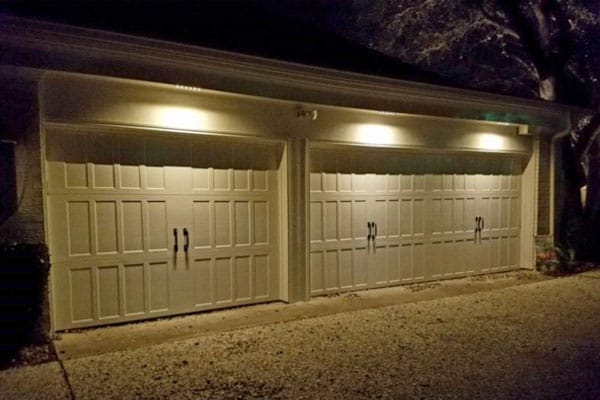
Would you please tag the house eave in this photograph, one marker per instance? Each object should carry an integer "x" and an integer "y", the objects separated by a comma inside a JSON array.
[{"x": 49, "y": 46}]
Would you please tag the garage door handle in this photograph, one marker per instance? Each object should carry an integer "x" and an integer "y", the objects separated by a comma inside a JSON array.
[
  {"x": 186, "y": 244},
  {"x": 176, "y": 246}
]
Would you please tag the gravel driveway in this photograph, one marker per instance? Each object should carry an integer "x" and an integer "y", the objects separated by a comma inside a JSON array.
[{"x": 534, "y": 341}]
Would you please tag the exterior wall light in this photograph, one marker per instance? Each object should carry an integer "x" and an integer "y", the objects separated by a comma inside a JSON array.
[
  {"x": 302, "y": 113},
  {"x": 490, "y": 141}
]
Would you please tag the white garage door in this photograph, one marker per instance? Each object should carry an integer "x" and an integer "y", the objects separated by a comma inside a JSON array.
[
  {"x": 380, "y": 218},
  {"x": 146, "y": 225}
]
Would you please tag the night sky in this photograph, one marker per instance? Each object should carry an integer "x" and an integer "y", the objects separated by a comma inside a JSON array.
[{"x": 287, "y": 30}]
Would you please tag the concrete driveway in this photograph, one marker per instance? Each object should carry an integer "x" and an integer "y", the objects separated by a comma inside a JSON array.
[{"x": 505, "y": 337}]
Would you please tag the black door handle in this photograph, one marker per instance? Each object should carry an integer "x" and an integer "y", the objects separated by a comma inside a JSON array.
[
  {"x": 186, "y": 244},
  {"x": 369, "y": 227},
  {"x": 176, "y": 246},
  {"x": 375, "y": 229}
]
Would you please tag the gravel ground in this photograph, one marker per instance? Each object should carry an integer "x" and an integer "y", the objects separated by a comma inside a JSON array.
[
  {"x": 532, "y": 341},
  {"x": 43, "y": 382}
]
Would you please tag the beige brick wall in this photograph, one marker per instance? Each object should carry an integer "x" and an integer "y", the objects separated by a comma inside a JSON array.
[{"x": 19, "y": 113}]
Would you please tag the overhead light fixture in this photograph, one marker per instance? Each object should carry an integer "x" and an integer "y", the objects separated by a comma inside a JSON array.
[
  {"x": 490, "y": 141},
  {"x": 376, "y": 134}
]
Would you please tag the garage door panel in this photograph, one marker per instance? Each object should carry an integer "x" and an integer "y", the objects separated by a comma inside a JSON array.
[
  {"x": 345, "y": 269},
  {"x": 435, "y": 260},
  {"x": 379, "y": 266},
  {"x": 203, "y": 282},
  {"x": 154, "y": 177},
  {"x": 359, "y": 267},
  {"x": 223, "y": 280},
  {"x": 222, "y": 179},
  {"x": 262, "y": 276},
  {"x": 448, "y": 260},
  {"x": 113, "y": 244},
  {"x": 436, "y": 216},
  {"x": 158, "y": 288},
  {"x": 82, "y": 293},
  {"x": 345, "y": 221},
  {"x": 243, "y": 278},
  {"x": 378, "y": 213},
  {"x": 103, "y": 176},
  {"x": 331, "y": 270},
  {"x": 76, "y": 175},
  {"x": 132, "y": 226},
  {"x": 504, "y": 252},
  {"x": 316, "y": 272},
  {"x": 134, "y": 289},
  {"x": 108, "y": 292},
  {"x": 316, "y": 218},
  {"x": 504, "y": 213},
  {"x": 241, "y": 179},
  {"x": 359, "y": 219},
  {"x": 130, "y": 176},
  {"x": 242, "y": 223},
  {"x": 392, "y": 218},
  {"x": 484, "y": 255},
  {"x": 448, "y": 216},
  {"x": 424, "y": 207},
  {"x": 107, "y": 235},
  {"x": 331, "y": 220},
  {"x": 79, "y": 228},
  {"x": 157, "y": 225},
  {"x": 201, "y": 178},
  {"x": 359, "y": 183},
  {"x": 202, "y": 237},
  {"x": 222, "y": 223},
  {"x": 393, "y": 263},
  {"x": 469, "y": 252}
]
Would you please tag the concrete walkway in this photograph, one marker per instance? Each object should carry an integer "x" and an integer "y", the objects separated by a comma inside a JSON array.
[{"x": 517, "y": 335}]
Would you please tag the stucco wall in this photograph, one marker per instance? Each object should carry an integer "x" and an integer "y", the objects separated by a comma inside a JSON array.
[{"x": 19, "y": 123}]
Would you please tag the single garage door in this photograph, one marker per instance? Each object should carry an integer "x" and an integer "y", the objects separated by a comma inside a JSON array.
[
  {"x": 382, "y": 217},
  {"x": 147, "y": 225}
]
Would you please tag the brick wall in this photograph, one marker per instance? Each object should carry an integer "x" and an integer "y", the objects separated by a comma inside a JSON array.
[
  {"x": 543, "y": 217},
  {"x": 19, "y": 118}
]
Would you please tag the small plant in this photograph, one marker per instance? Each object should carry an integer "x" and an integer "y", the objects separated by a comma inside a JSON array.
[
  {"x": 555, "y": 259},
  {"x": 566, "y": 259},
  {"x": 547, "y": 259}
]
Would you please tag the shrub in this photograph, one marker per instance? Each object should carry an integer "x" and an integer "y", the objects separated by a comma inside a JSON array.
[{"x": 23, "y": 277}]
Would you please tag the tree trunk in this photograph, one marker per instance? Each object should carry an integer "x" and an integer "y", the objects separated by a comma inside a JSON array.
[{"x": 591, "y": 212}]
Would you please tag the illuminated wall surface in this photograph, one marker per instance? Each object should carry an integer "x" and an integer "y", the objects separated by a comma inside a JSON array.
[{"x": 208, "y": 112}]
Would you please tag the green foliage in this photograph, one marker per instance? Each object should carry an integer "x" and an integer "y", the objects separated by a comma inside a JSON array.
[
  {"x": 555, "y": 259},
  {"x": 23, "y": 276}
]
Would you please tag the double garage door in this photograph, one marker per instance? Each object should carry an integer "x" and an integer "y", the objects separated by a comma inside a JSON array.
[
  {"x": 144, "y": 226},
  {"x": 381, "y": 218}
]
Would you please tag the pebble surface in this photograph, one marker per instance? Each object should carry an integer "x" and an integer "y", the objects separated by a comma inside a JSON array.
[
  {"x": 534, "y": 341},
  {"x": 540, "y": 340}
]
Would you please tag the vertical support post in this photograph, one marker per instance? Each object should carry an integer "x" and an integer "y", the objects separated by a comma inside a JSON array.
[
  {"x": 298, "y": 209},
  {"x": 529, "y": 193}
]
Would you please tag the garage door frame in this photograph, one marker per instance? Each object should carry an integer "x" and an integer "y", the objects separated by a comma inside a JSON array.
[
  {"x": 528, "y": 190},
  {"x": 49, "y": 128}
]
